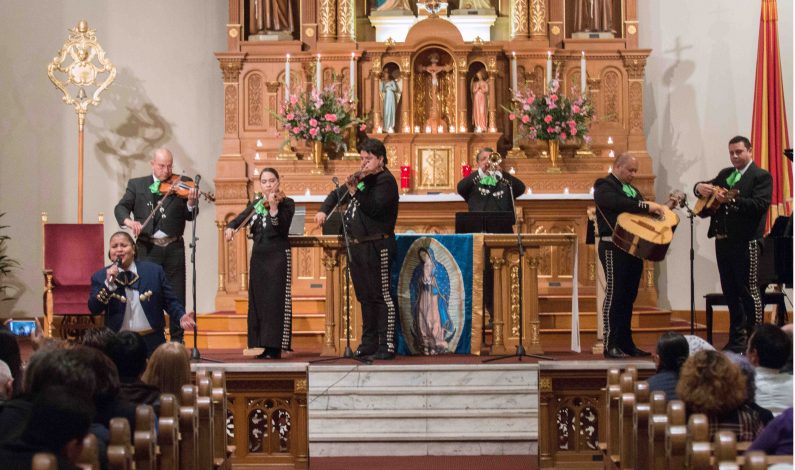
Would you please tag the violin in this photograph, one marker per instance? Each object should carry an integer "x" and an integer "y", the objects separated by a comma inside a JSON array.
[
  {"x": 175, "y": 185},
  {"x": 266, "y": 203}
]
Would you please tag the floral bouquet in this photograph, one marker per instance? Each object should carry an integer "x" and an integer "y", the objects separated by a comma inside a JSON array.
[
  {"x": 318, "y": 116},
  {"x": 553, "y": 116}
]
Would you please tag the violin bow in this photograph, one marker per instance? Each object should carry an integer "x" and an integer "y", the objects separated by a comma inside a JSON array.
[{"x": 151, "y": 216}]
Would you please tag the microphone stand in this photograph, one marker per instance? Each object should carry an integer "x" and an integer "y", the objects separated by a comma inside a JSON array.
[
  {"x": 348, "y": 354},
  {"x": 520, "y": 351},
  {"x": 195, "y": 355},
  {"x": 691, "y": 215}
]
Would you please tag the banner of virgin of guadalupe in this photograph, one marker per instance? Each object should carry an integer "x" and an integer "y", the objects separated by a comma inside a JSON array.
[{"x": 439, "y": 281}]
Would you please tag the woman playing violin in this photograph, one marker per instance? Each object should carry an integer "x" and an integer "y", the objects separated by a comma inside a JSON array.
[{"x": 269, "y": 299}]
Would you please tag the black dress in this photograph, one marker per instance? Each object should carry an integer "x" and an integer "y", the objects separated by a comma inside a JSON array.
[{"x": 270, "y": 305}]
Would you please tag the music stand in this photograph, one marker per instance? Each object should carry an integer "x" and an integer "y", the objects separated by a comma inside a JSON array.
[{"x": 484, "y": 222}]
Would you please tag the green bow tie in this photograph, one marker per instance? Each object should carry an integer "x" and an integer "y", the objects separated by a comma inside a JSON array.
[
  {"x": 488, "y": 180},
  {"x": 155, "y": 187},
  {"x": 629, "y": 190},
  {"x": 259, "y": 207},
  {"x": 734, "y": 178},
  {"x": 360, "y": 186}
]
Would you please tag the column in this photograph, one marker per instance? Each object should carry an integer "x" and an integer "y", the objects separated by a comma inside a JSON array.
[
  {"x": 346, "y": 21},
  {"x": 519, "y": 15},
  {"x": 538, "y": 19},
  {"x": 492, "y": 97},
  {"x": 497, "y": 259},
  {"x": 330, "y": 259},
  {"x": 327, "y": 26},
  {"x": 375, "y": 86},
  {"x": 221, "y": 225},
  {"x": 532, "y": 325}
]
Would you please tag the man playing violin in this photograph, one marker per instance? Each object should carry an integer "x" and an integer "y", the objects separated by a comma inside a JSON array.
[
  {"x": 738, "y": 227},
  {"x": 160, "y": 240},
  {"x": 370, "y": 222}
]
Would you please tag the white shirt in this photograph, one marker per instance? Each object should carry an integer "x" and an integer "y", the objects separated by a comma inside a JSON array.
[
  {"x": 497, "y": 174},
  {"x": 160, "y": 233},
  {"x": 742, "y": 172},
  {"x": 773, "y": 390},
  {"x": 134, "y": 316}
]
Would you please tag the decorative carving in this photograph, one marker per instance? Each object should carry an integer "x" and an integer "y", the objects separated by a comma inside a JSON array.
[
  {"x": 304, "y": 263},
  {"x": 230, "y": 109},
  {"x": 635, "y": 66},
  {"x": 497, "y": 334},
  {"x": 434, "y": 168},
  {"x": 519, "y": 19},
  {"x": 635, "y": 107},
  {"x": 545, "y": 384},
  {"x": 255, "y": 110},
  {"x": 346, "y": 20},
  {"x": 231, "y": 191},
  {"x": 588, "y": 423},
  {"x": 231, "y": 68},
  {"x": 565, "y": 426},
  {"x": 272, "y": 87},
  {"x": 611, "y": 97},
  {"x": 328, "y": 27},
  {"x": 538, "y": 16},
  {"x": 301, "y": 386},
  {"x": 514, "y": 301}
]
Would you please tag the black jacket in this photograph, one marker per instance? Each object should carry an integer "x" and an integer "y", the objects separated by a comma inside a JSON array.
[
  {"x": 140, "y": 201},
  {"x": 743, "y": 220},
  {"x": 611, "y": 201},
  {"x": 481, "y": 198},
  {"x": 276, "y": 229},
  {"x": 372, "y": 211}
]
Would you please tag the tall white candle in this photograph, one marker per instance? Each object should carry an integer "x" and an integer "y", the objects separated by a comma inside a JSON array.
[
  {"x": 549, "y": 70},
  {"x": 583, "y": 75},
  {"x": 287, "y": 79},
  {"x": 318, "y": 75},
  {"x": 353, "y": 77},
  {"x": 514, "y": 73}
]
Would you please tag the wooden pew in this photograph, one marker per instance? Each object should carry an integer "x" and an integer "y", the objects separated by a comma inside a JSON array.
[
  {"x": 675, "y": 436},
  {"x": 221, "y": 451},
  {"x": 204, "y": 404},
  {"x": 640, "y": 425},
  {"x": 89, "y": 457},
  {"x": 625, "y": 418},
  {"x": 188, "y": 428},
  {"x": 612, "y": 397},
  {"x": 725, "y": 451},
  {"x": 755, "y": 460},
  {"x": 168, "y": 433},
  {"x": 44, "y": 461},
  {"x": 145, "y": 438},
  {"x": 658, "y": 422},
  {"x": 120, "y": 453},
  {"x": 699, "y": 448}
]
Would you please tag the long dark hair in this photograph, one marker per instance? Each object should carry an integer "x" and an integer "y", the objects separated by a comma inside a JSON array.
[{"x": 673, "y": 350}]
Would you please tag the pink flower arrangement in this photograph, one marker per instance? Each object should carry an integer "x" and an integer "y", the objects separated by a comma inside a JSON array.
[
  {"x": 322, "y": 116},
  {"x": 553, "y": 116}
]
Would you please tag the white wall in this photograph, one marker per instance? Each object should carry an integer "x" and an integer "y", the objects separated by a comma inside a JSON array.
[
  {"x": 699, "y": 94},
  {"x": 168, "y": 90}
]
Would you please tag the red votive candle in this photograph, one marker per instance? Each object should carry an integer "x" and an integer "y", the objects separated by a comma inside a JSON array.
[
  {"x": 466, "y": 170},
  {"x": 405, "y": 175}
]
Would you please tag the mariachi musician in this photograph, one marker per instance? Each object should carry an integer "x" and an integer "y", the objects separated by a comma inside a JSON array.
[
  {"x": 160, "y": 240},
  {"x": 614, "y": 194}
]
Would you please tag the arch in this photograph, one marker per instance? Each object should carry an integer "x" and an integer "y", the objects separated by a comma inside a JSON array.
[{"x": 435, "y": 30}]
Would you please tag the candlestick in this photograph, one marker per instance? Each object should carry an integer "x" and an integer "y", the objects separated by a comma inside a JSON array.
[
  {"x": 318, "y": 75},
  {"x": 514, "y": 73},
  {"x": 549, "y": 70},
  {"x": 583, "y": 74},
  {"x": 287, "y": 79},
  {"x": 353, "y": 77}
]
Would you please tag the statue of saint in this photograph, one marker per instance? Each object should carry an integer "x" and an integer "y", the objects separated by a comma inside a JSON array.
[
  {"x": 480, "y": 103},
  {"x": 435, "y": 118},
  {"x": 593, "y": 15},
  {"x": 475, "y": 5},
  {"x": 390, "y": 93},
  {"x": 394, "y": 5},
  {"x": 270, "y": 16}
]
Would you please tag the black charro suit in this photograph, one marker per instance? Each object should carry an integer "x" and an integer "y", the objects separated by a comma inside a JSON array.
[
  {"x": 622, "y": 270},
  {"x": 481, "y": 198},
  {"x": 137, "y": 203},
  {"x": 738, "y": 228}
]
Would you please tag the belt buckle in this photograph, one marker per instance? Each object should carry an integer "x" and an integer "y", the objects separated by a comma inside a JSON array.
[{"x": 162, "y": 242}]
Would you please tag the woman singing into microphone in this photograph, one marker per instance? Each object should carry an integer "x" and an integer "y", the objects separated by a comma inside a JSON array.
[{"x": 270, "y": 308}]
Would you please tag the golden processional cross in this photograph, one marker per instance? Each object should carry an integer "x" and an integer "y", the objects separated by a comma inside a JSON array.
[{"x": 75, "y": 73}]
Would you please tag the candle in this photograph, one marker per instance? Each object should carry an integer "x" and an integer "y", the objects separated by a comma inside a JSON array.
[
  {"x": 452, "y": 129},
  {"x": 440, "y": 129},
  {"x": 591, "y": 191},
  {"x": 463, "y": 128},
  {"x": 609, "y": 140},
  {"x": 307, "y": 192},
  {"x": 406, "y": 129},
  {"x": 514, "y": 73},
  {"x": 256, "y": 156},
  {"x": 405, "y": 174},
  {"x": 379, "y": 130},
  {"x": 353, "y": 78},
  {"x": 427, "y": 129},
  {"x": 512, "y": 171},
  {"x": 611, "y": 154},
  {"x": 259, "y": 143},
  {"x": 549, "y": 69},
  {"x": 416, "y": 129},
  {"x": 529, "y": 190},
  {"x": 477, "y": 130},
  {"x": 466, "y": 170},
  {"x": 583, "y": 75},
  {"x": 318, "y": 75},
  {"x": 610, "y": 169},
  {"x": 287, "y": 80},
  {"x": 566, "y": 190},
  {"x": 256, "y": 171},
  {"x": 390, "y": 130}
]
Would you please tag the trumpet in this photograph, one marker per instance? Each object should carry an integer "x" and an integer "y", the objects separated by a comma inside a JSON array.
[{"x": 495, "y": 160}]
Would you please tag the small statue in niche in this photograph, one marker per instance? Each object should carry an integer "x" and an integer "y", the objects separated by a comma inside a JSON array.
[
  {"x": 394, "y": 5},
  {"x": 268, "y": 17},
  {"x": 593, "y": 15},
  {"x": 480, "y": 104},
  {"x": 391, "y": 90},
  {"x": 475, "y": 5},
  {"x": 435, "y": 118}
]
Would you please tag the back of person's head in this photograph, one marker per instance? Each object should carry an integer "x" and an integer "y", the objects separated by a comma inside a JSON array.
[
  {"x": 107, "y": 377},
  {"x": 672, "y": 351},
  {"x": 769, "y": 346},
  {"x": 748, "y": 371},
  {"x": 59, "y": 421},
  {"x": 128, "y": 351},
  {"x": 6, "y": 381},
  {"x": 97, "y": 338},
  {"x": 9, "y": 353},
  {"x": 67, "y": 367},
  {"x": 710, "y": 383},
  {"x": 168, "y": 368}
]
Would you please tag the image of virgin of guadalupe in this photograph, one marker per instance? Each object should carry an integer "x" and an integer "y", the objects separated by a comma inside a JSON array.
[{"x": 432, "y": 328}]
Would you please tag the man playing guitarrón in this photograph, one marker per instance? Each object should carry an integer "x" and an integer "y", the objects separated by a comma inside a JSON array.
[{"x": 613, "y": 195}]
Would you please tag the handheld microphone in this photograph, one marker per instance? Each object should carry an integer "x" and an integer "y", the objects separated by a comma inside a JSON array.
[
  {"x": 683, "y": 200},
  {"x": 336, "y": 181},
  {"x": 197, "y": 180},
  {"x": 118, "y": 261}
]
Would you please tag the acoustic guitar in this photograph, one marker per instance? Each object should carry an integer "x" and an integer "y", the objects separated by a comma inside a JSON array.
[
  {"x": 708, "y": 206},
  {"x": 648, "y": 236}
]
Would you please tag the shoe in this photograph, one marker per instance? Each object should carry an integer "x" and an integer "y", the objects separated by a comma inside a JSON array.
[
  {"x": 384, "y": 355},
  {"x": 270, "y": 353},
  {"x": 365, "y": 351},
  {"x": 636, "y": 352},
  {"x": 615, "y": 353}
]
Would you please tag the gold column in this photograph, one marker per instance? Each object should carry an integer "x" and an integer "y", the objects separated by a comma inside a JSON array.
[
  {"x": 220, "y": 225},
  {"x": 346, "y": 21},
  {"x": 519, "y": 14},
  {"x": 538, "y": 19},
  {"x": 532, "y": 326},
  {"x": 492, "y": 70},
  {"x": 333, "y": 300},
  {"x": 375, "y": 79},
  {"x": 243, "y": 260},
  {"x": 328, "y": 23},
  {"x": 406, "y": 99},
  {"x": 497, "y": 259}
]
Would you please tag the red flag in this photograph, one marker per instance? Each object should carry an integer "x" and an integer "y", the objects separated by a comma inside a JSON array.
[{"x": 769, "y": 123}]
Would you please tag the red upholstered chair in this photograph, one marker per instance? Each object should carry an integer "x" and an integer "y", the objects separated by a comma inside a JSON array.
[{"x": 72, "y": 253}]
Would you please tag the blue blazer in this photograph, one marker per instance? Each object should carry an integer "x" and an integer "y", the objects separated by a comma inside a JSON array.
[{"x": 151, "y": 277}]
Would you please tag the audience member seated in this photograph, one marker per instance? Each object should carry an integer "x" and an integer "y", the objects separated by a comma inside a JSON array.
[
  {"x": 750, "y": 382},
  {"x": 672, "y": 352},
  {"x": 768, "y": 350},
  {"x": 697, "y": 343},
  {"x": 168, "y": 368},
  {"x": 6, "y": 383},
  {"x": 776, "y": 438},
  {"x": 107, "y": 401},
  {"x": 97, "y": 338},
  {"x": 788, "y": 366},
  {"x": 711, "y": 384},
  {"x": 59, "y": 420},
  {"x": 9, "y": 353},
  {"x": 128, "y": 351}
]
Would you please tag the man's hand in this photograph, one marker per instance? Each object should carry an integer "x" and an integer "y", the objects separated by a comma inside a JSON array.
[
  {"x": 704, "y": 189},
  {"x": 187, "y": 321},
  {"x": 320, "y": 218},
  {"x": 228, "y": 234},
  {"x": 656, "y": 209},
  {"x": 133, "y": 225},
  {"x": 193, "y": 197}
]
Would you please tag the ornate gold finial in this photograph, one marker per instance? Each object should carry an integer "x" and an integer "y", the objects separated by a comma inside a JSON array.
[
  {"x": 390, "y": 42},
  {"x": 478, "y": 41}
]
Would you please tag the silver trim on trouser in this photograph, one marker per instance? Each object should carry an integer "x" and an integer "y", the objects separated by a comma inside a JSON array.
[
  {"x": 390, "y": 305},
  {"x": 287, "y": 326},
  {"x": 753, "y": 281},
  {"x": 608, "y": 303}
]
